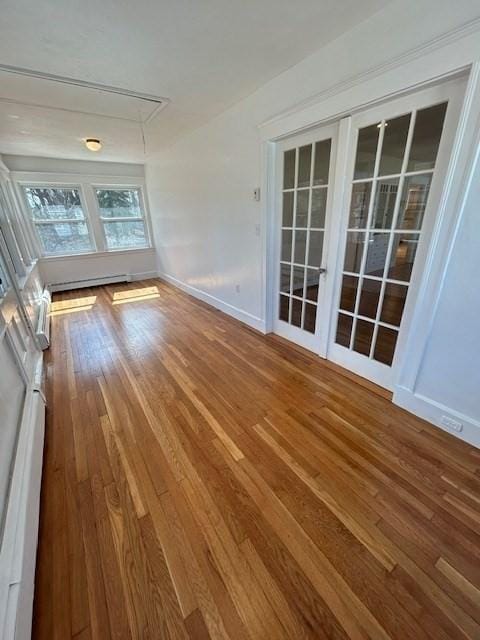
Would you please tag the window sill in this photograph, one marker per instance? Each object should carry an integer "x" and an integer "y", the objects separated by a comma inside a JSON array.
[{"x": 97, "y": 254}]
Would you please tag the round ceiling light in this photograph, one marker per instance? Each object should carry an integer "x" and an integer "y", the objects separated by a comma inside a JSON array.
[{"x": 93, "y": 144}]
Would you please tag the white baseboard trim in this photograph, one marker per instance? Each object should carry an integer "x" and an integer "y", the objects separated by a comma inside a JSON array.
[
  {"x": 145, "y": 275},
  {"x": 235, "y": 312},
  {"x": 433, "y": 412},
  {"x": 100, "y": 280}
]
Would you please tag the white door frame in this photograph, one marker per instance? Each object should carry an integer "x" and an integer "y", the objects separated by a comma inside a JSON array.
[{"x": 342, "y": 173}]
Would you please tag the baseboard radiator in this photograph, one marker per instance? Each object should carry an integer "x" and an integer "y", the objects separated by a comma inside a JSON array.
[
  {"x": 89, "y": 282},
  {"x": 43, "y": 321}
]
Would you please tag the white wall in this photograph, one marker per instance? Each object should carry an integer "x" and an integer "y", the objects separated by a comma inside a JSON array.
[
  {"x": 206, "y": 223},
  {"x": 138, "y": 263},
  {"x": 449, "y": 375}
]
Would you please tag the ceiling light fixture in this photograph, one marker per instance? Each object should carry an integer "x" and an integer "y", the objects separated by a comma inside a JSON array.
[{"x": 93, "y": 144}]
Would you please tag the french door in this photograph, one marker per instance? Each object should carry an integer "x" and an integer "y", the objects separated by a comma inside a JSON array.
[
  {"x": 375, "y": 232},
  {"x": 305, "y": 166}
]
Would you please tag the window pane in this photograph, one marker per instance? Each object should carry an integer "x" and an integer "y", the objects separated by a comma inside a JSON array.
[
  {"x": 286, "y": 253},
  {"x": 354, "y": 251},
  {"x": 315, "y": 249},
  {"x": 125, "y": 234},
  {"x": 319, "y": 208},
  {"x": 285, "y": 278},
  {"x": 385, "y": 198},
  {"x": 322, "y": 162},
  {"x": 344, "y": 330},
  {"x": 300, "y": 246},
  {"x": 309, "y": 317},
  {"x": 369, "y": 298},
  {"x": 393, "y": 147},
  {"x": 284, "y": 308},
  {"x": 363, "y": 337},
  {"x": 296, "y": 312},
  {"x": 366, "y": 151},
  {"x": 119, "y": 203},
  {"x": 301, "y": 219},
  {"x": 64, "y": 237},
  {"x": 403, "y": 256},
  {"x": 385, "y": 345},
  {"x": 349, "y": 293},
  {"x": 393, "y": 303},
  {"x": 4, "y": 279},
  {"x": 289, "y": 169},
  {"x": 359, "y": 205},
  {"x": 287, "y": 213},
  {"x": 377, "y": 253},
  {"x": 297, "y": 285},
  {"x": 426, "y": 137},
  {"x": 304, "y": 165},
  {"x": 48, "y": 203},
  {"x": 414, "y": 201},
  {"x": 312, "y": 285}
]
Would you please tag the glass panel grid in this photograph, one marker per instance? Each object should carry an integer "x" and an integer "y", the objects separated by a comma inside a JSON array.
[
  {"x": 304, "y": 199},
  {"x": 385, "y": 218},
  {"x": 59, "y": 219}
]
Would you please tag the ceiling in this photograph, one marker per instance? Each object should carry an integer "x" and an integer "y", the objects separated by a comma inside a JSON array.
[{"x": 201, "y": 55}]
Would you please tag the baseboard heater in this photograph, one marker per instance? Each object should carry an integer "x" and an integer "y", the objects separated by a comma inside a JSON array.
[
  {"x": 43, "y": 321},
  {"x": 89, "y": 282}
]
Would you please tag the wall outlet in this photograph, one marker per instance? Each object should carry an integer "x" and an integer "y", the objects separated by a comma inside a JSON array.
[
  {"x": 237, "y": 288},
  {"x": 451, "y": 424},
  {"x": 256, "y": 194}
]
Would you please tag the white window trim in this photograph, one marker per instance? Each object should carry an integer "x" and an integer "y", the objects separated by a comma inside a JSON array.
[{"x": 86, "y": 185}]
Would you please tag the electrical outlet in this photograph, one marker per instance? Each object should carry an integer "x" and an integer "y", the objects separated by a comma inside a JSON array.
[
  {"x": 256, "y": 194},
  {"x": 451, "y": 424},
  {"x": 237, "y": 288}
]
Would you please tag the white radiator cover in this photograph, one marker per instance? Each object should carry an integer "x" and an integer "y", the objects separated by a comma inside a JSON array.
[{"x": 43, "y": 321}]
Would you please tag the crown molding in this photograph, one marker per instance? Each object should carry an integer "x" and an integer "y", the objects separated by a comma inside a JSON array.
[{"x": 438, "y": 42}]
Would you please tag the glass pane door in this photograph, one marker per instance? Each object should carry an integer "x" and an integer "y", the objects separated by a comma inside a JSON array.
[
  {"x": 393, "y": 169},
  {"x": 304, "y": 203}
]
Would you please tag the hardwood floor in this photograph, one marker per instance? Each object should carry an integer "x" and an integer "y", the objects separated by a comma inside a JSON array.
[{"x": 203, "y": 481}]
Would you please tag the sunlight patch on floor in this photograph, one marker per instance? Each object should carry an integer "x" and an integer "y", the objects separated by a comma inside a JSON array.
[
  {"x": 62, "y": 307},
  {"x": 134, "y": 295}
]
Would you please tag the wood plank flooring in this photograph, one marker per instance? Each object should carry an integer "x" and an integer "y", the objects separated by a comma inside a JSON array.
[{"x": 203, "y": 481}]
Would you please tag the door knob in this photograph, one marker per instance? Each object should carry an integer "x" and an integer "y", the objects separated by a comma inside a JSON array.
[{"x": 322, "y": 270}]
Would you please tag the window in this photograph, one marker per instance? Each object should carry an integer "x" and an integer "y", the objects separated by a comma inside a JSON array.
[
  {"x": 59, "y": 220},
  {"x": 121, "y": 213},
  {"x": 86, "y": 218}
]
